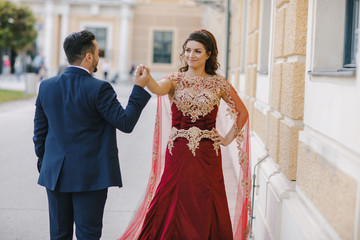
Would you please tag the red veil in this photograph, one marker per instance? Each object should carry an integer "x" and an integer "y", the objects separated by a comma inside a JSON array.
[{"x": 241, "y": 224}]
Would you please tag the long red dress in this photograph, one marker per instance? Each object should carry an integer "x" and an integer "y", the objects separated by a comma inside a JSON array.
[{"x": 190, "y": 201}]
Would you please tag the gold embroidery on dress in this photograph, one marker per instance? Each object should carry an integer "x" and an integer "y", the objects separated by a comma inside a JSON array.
[
  {"x": 194, "y": 135},
  {"x": 155, "y": 155},
  {"x": 245, "y": 182},
  {"x": 197, "y": 96}
]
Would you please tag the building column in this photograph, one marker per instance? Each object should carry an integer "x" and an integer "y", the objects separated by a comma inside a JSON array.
[
  {"x": 126, "y": 17},
  {"x": 64, "y": 31},
  {"x": 48, "y": 28}
]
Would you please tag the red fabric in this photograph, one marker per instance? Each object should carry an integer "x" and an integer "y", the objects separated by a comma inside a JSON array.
[
  {"x": 190, "y": 201},
  {"x": 243, "y": 199},
  {"x": 162, "y": 125}
]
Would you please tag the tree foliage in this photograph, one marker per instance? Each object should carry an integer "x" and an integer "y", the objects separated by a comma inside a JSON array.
[{"x": 17, "y": 26}]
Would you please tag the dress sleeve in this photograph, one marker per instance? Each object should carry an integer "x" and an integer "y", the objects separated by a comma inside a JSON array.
[
  {"x": 161, "y": 136},
  {"x": 236, "y": 108},
  {"x": 172, "y": 76}
]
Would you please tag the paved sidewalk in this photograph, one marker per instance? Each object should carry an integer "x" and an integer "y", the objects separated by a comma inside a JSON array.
[{"x": 23, "y": 203}]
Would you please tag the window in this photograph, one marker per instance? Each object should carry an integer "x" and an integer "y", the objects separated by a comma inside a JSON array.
[
  {"x": 162, "y": 50},
  {"x": 100, "y": 36},
  {"x": 351, "y": 33},
  {"x": 264, "y": 36},
  {"x": 333, "y": 38}
]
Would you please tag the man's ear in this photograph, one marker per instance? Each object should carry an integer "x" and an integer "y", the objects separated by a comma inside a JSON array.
[{"x": 89, "y": 57}]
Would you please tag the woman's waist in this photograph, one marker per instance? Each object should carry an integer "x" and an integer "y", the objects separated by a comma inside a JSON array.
[
  {"x": 193, "y": 135},
  {"x": 192, "y": 131},
  {"x": 205, "y": 125}
]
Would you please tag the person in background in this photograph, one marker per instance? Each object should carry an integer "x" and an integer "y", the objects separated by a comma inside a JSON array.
[
  {"x": 37, "y": 63},
  {"x": 18, "y": 67},
  {"x": 106, "y": 69}
]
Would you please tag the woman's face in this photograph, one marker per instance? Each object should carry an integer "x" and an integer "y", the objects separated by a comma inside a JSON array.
[{"x": 195, "y": 54}]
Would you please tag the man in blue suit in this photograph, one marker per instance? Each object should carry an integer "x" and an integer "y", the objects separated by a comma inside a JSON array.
[{"x": 75, "y": 126}]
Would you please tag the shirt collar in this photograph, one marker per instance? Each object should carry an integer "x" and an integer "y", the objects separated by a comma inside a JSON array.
[{"x": 80, "y": 68}]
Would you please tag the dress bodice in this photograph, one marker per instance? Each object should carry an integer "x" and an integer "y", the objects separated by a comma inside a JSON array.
[
  {"x": 195, "y": 101},
  {"x": 180, "y": 121},
  {"x": 194, "y": 107}
]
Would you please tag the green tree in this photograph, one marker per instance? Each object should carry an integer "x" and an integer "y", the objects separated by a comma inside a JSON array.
[{"x": 17, "y": 26}]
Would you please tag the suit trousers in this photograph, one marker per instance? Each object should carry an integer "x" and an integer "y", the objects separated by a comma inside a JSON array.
[{"x": 86, "y": 209}]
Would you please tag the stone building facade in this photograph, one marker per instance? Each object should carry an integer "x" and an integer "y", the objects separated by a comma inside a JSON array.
[
  {"x": 128, "y": 32},
  {"x": 294, "y": 64}
]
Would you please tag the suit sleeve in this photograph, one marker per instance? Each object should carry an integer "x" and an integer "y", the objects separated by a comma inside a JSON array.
[
  {"x": 112, "y": 111},
  {"x": 40, "y": 132}
]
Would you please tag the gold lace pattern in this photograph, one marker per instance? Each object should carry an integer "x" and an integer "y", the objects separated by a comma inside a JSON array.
[
  {"x": 197, "y": 96},
  {"x": 194, "y": 135}
]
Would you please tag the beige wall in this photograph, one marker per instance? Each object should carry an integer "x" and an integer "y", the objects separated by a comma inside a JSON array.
[
  {"x": 180, "y": 16},
  {"x": 76, "y": 23},
  {"x": 147, "y": 18},
  {"x": 319, "y": 178},
  {"x": 329, "y": 188},
  {"x": 288, "y": 69}
]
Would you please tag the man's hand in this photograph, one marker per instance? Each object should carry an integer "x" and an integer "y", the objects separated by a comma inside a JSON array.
[{"x": 142, "y": 76}]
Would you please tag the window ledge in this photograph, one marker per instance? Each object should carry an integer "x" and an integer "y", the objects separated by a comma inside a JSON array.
[
  {"x": 343, "y": 72},
  {"x": 263, "y": 72}
]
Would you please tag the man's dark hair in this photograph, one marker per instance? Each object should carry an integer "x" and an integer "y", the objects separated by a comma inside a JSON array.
[{"x": 78, "y": 44}]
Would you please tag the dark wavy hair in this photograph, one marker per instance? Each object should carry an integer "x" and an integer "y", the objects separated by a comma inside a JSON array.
[
  {"x": 78, "y": 44},
  {"x": 208, "y": 40}
]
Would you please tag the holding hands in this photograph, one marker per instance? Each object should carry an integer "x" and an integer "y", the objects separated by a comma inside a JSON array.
[
  {"x": 142, "y": 75},
  {"x": 143, "y": 78}
]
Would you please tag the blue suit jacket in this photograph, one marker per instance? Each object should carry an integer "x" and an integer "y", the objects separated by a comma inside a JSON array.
[{"x": 75, "y": 131}]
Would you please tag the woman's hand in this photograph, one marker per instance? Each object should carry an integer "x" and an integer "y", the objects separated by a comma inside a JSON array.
[
  {"x": 218, "y": 139},
  {"x": 142, "y": 76}
]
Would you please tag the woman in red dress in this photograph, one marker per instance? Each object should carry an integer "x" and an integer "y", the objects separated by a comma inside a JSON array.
[{"x": 190, "y": 200}]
